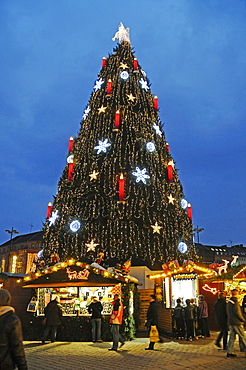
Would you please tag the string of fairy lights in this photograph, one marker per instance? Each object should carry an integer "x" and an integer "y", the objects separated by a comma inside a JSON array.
[{"x": 120, "y": 187}]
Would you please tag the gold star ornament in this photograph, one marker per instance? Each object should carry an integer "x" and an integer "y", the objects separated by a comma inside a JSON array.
[
  {"x": 156, "y": 228},
  {"x": 102, "y": 109},
  {"x": 91, "y": 246},
  {"x": 93, "y": 175},
  {"x": 123, "y": 65},
  {"x": 131, "y": 97},
  {"x": 171, "y": 199}
]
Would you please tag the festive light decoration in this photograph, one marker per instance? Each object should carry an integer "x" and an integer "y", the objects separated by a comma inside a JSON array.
[
  {"x": 74, "y": 226},
  {"x": 54, "y": 216},
  {"x": 156, "y": 228},
  {"x": 157, "y": 129},
  {"x": 117, "y": 120},
  {"x": 184, "y": 203},
  {"x": 135, "y": 64},
  {"x": 171, "y": 199},
  {"x": 170, "y": 171},
  {"x": 93, "y": 175},
  {"x": 182, "y": 247},
  {"x": 121, "y": 188},
  {"x": 98, "y": 84},
  {"x": 104, "y": 61},
  {"x": 234, "y": 261},
  {"x": 91, "y": 246},
  {"x": 189, "y": 212},
  {"x": 123, "y": 65},
  {"x": 184, "y": 277},
  {"x": 150, "y": 147},
  {"x": 131, "y": 97},
  {"x": 144, "y": 84},
  {"x": 49, "y": 209},
  {"x": 86, "y": 112},
  {"x": 102, "y": 146},
  {"x": 207, "y": 288},
  {"x": 155, "y": 102},
  {"x": 70, "y": 144},
  {"x": 77, "y": 275},
  {"x": 109, "y": 86},
  {"x": 123, "y": 34},
  {"x": 141, "y": 175},
  {"x": 124, "y": 75},
  {"x": 168, "y": 147}
]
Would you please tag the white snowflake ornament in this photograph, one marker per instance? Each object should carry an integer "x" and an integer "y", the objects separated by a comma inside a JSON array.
[
  {"x": 157, "y": 129},
  {"x": 102, "y": 146},
  {"x": 144, "y": 84},
  {"x": 54, "y": 216},
  {"x": 141, "y": 175},
  {"x": 98, "y": 84},
  {"x": 86, "y": 112}
]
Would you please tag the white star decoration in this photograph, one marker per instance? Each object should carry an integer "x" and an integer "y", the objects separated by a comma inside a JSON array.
[
  {"x": 54, "y": 216},
  {"x": 91, "y": 246},
  {"x": 102, "y": 146},
  {"x": 93, "y": 175},
  {"x": 157, "y": 129},
  {"x": 141, "y": 175},
  {"x": 98, "y": 84},
  {"x": 156, "y": 228},
  {"x": 86, "y": 112},
  {"x": 144, "y": 84},
  {"x": 171, "y": 199}
]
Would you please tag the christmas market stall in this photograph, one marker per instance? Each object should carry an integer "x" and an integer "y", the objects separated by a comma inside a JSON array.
[
  {"x": 75, "y": 283},
  {"x": 176, "y": 281}
]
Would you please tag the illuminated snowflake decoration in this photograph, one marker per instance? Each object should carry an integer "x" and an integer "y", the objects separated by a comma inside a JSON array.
[
  {"x": 144, "y": 84},
  {"x": 124, "y": 75},
  {"x": 182, "y": 247},
  {"x": 54, "y": 216},
  {"x": 102, "y": 146},
  {"x": 141, "y": 175},
  {"x": 150, "y": 147},
  {"x": 86, "y": 112},
  {"x": 144, "y": 73},
  {"x": 75, "y": 226},
  {"x": 70, "y": 158},
  {"x": 184, "y": 203},
  {"x": 157, "y": 129},
  {"x": 40, "y": 253},
  {"x": 98, "y": 84}
]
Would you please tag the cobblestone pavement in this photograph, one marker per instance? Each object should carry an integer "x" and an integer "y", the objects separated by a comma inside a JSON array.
[{"x": 170, "y": 355}]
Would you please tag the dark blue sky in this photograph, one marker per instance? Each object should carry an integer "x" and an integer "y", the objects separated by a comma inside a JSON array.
[{"x": 194, "y": 53}]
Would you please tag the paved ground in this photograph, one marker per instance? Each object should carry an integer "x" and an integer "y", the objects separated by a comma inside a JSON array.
[{"x": 171, "y": 355}]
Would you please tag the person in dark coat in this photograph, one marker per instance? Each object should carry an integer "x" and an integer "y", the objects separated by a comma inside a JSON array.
[
  {"x": 178, "y": 315},
  {"x": 190, "y": 317},
  {"x": 152, "y": 317},
  {"x": 12, "y": 353},
  {"x": 53, "y": 315},
  {"x": 203, "y": 316},
  {"x": 236, "y": 322},
  {"x": 95, "y": 308},
  {"x": 221, "y": 319}
]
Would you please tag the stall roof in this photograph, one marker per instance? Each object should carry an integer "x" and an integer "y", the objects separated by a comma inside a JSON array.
[{"x": 74, "y": 273}]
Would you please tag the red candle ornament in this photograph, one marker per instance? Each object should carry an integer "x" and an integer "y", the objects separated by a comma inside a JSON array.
[
  {"x": 121, "y": 188},
  {"x": 168, "y": 147},
  {"x": 70, "y": 170},
  {"x": 189, "y": 212},
  {"x": 135, "y": 64},
  {"x": 109, "y": 86},
  {"x": 104, "y": 61},
  {"x": 117, "y": 120},
  {"x": 170, "y": 171},
  {"x": 49, "y": 209},
  {"x": 70, "y": 144},
  {"x": 155, "y": 102}
]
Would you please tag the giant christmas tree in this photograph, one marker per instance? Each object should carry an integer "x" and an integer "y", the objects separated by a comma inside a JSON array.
[{"x": 119, "y": 196}]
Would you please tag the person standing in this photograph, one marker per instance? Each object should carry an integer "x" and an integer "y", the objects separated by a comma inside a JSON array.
[
  {"x": 152, "y": 318},
  {"x": 221, "y": 319},
  {"x": 95, "y": 308},
  {"x": 190, "y": 317},
  {"x": 116, "y": 320},
  {"x": 178, "y": 314},
  {"x": 53, "y": 315},
  {"x": 203, "y": 316},
  {"x": 236, "y": 322},
  {"x": 11, "y": 343}
]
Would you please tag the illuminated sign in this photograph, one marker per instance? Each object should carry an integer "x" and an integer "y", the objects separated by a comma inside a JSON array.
[
  {"x": 209, "y": 289},
  {"x": 77, "y": 275},
  {"x": 184, "y": 277}
]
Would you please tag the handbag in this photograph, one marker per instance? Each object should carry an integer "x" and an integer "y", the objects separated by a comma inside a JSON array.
[{"x": 154, "y": 334}]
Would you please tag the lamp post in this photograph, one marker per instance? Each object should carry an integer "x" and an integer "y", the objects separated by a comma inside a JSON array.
[
  {"x": 11, "y": 232},
  {"x": 197, "y": 231}
]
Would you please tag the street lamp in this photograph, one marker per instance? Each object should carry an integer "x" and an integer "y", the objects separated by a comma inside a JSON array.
[
  {"x": 11, "y": 232},
  {"x": 197, "y": 231}
]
